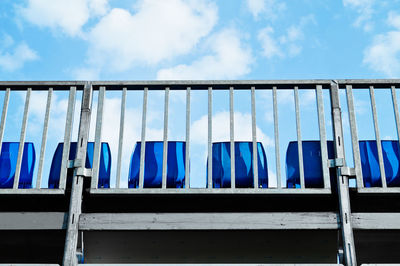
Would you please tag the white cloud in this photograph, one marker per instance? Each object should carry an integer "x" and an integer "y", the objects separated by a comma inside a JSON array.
[
  {"x": 269, "y": 8},
  {"x": 220, "y": 129},
  {"x": 86, "y": 73},
  {"x": 384, "y": 52},
  {"x": 269, "y": 45},
  {"x": 394, "y": 20},
  {"x": 288, "y": 44},
  {"x": 365, "y": 9},
  {"x": 69, "y": 16},
  {"x": 157, "y": 31},
  {"x": 229, "y": 60},
  {"x": 13, "y": 58}
]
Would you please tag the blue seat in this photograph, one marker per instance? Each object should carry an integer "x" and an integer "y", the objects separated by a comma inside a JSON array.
[
  {"x": 105, "y": 164},
  {"x": 370, "y": 163},
  {"x": 244, "y": 178},
  {"x": 153, "y": 165},
  {"x": 312, "y": 164},
  {"x": 8, "y": 163}
]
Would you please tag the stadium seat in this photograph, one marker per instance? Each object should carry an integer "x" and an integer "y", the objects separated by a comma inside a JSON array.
[
  {"x": 244, "y": 178},
  {"x": 153, "y": 165},
  {"x": 8, "y": 163},
  {"x": 370, "y": 163},
  {"x": 312, "y": 164},
  {"x": 105, "y": 164}
]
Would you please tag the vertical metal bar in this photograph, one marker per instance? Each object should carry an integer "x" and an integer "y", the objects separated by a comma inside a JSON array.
[
  {"x": 75, "y": 206},
  {"x": 342, "y": 181},
  {"x": 187, "y": 170},
  {"x": 209, "y": 181},
  {"x": 378, "y": 138},
  {"x": 276, "y": 133},
  {"x": 97, "y": 137},
  {"x": 44, "y": 137},
  {"x": 299, "y": 141},
  {"x": 22, "y": 138},
  {"x": 322, "y": 136},
  {"x": 354, "y": 135},
  {"x": 143, "y": 139},
  {"x": 232, "y": 136},
  {"x": 4, "y": 116},
  {"x": 396, "y": 111},
  {"x": 121, "y": 137},
  {"x": 69, "y": 121},
  {"x": 254, "y": 136},
  {"x": 165, "y": 145}
]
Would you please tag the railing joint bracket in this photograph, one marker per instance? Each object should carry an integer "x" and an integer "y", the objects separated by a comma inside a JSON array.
[
  {"x": 338, "y": 162},
  {"x": 347, "y": 171}
]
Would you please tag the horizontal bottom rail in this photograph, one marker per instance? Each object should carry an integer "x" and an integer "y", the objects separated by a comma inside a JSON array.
[
  {"x": 33, "y": 220},
  {"x": 198, "y": 221},
  {"x": 371, "y": 190},
  {"x": 32, "y": 191},
  {"x": 224, "y": 264},
  {"x": 211, "y": 191},
  {"x": 207, "y": 221}
]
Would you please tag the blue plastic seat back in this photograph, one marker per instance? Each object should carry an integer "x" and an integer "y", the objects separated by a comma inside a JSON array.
[
  {"x": 244, "y": 178},
  {"x": 370, "y": 163},
  {"x": 312, "y": 164},
  {"x": 8, "y": 163},
  {"x": 176, "y": 156},
  {"x": 104, "y": 170}
]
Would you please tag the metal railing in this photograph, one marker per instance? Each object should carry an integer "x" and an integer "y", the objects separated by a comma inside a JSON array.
[
  {"x": 30, "y": 88},
  {"x": 371, "y": 86},
  {"x": 208, "y": 87}
]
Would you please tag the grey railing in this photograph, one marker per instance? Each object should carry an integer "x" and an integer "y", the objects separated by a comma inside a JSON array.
[
  {"x": 210, "y": 87},
  {"x": 13, "y": 88},
  {"x": 125, "y": 87},
  {"x": 371, "y": 86}
]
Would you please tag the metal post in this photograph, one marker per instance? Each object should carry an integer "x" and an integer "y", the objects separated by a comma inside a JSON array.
[
  {"x": 254, "y": 136},
  {"x": 299, "y": 141},
  {"x": 97, "y": 138},
  {"x": 209, "y": 141},
  {"x": 232, "y": 137},
  {"x": 276, "y": 134},
  {"x": 22, "y": 139},
  {"x": 342, "y": 180},
  {"x": 71, "y": 240}
]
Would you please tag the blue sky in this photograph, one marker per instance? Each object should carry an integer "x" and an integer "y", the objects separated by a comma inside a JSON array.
[
  {"x": 199, "y": 39},
  {"x": 249, "y": 39}
]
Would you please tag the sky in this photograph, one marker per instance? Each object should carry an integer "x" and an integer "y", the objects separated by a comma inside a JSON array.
[{"x": 198, "y": 39}]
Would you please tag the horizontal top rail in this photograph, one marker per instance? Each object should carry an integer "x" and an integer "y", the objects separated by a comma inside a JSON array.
[{"x": 199, "y": 84}]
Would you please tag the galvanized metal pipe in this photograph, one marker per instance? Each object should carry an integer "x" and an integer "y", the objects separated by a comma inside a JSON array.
[
  {"x": 143, "y": 139},
  {"x": 165, "y": 143},
  {"x": 322, "y": 136},
  {"x": 377, "y": 136},
  {"x": 121, "y": 137},
  {"x": 22, "y": 139},
  {"x": 395, "y": 110},
  {"x": 299, "y": 141},
  {"x": 75, "y": 206},
  {"x": 44, "y": 137},
  {"x": 232, "y": 136},
  {"x": 354, "y": 136},
  {"x": 254, "y": 136},
  {"x": 276, "y": 133},
  {"x": 97, "y": 137},
  {"x": 69, "y": 121},
  {"x": 187, "y": 143},
  {"x": 4, "y": 116},
  {"x": 342, "y": 181},
  {"x": 209, "y": 148}
]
